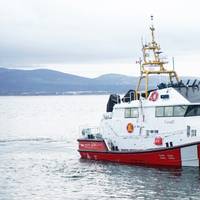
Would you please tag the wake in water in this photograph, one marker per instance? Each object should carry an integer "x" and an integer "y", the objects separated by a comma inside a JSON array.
[{"x": 27, "y": 140}]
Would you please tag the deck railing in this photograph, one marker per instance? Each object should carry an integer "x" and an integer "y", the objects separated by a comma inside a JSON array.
[{"x": 90, "y": 132}]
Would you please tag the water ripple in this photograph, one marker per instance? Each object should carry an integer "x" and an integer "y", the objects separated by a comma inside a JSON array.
[{"x": 39, "y": 158}]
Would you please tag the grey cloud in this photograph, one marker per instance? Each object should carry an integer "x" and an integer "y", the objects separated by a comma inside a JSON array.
[{"x": 63, "y": 31}]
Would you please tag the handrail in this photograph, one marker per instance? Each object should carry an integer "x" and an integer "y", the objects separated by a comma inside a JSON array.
[{"x": 93, "y": 129}]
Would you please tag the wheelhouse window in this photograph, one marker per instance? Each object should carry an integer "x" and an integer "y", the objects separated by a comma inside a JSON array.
[
  {"x": 160, "y": 111},
  {"x": 175, "y": 111},
  {"x": 168, "y": 111},
  {"x": 193, "y": 110},
  {"x": 179, "y": 111},
  {"x": 198, "y": 111},
  {"x": 131, "y": 113}
]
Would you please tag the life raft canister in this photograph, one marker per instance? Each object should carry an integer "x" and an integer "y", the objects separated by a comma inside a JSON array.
[
  {"x": 158, "y": 140},
  {"x": 130, "y": 127},
  {"x": 154, "y": 96}
]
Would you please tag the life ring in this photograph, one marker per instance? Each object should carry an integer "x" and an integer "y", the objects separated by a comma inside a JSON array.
[
  {"x": 130, "y": 127},
  {"x": 154, "y": 96}
]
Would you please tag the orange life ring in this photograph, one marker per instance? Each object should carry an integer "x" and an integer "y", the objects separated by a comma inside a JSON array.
[
  {"x": 130, "y": 127},
  {"x": 154, "y": 96}
]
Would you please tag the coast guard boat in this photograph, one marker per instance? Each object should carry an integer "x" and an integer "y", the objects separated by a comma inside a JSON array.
[{"x": 158, "y": 127}]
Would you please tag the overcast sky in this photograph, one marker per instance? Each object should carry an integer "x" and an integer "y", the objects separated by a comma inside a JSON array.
[{"x": 93, "y": 37}]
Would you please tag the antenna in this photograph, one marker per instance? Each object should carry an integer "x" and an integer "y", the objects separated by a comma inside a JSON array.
[
  {"x": 142, "y": 41},
  {"x": 152, "y": 30},
  {"x": 173, "y": 63},
  {"x": 152, "y": 19},
  {"x": 152, "y": 64}
]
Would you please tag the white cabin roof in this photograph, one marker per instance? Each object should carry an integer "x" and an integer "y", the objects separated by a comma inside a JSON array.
[{"x": 175, "y": 98}]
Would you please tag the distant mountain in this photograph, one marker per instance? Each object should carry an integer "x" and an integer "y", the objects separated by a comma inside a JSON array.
[
  {"x": 116, "y": 79},
  {"x": 44, "y": 81}
]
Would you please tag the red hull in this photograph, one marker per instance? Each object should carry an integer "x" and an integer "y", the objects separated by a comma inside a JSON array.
[{"x": 165, "y": 157}]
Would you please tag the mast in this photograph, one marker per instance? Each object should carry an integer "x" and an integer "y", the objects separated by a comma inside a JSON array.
[{"x": 152, "y": 63}]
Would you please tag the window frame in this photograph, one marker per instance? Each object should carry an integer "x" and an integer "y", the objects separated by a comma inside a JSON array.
[
  {"x": 171, "y": 110},
  {"x": 173, "y": 114},
  {"x": 163, "y": 111},
  {"x": 195, "y": 106},
  {"x": 131, "y": 112}
]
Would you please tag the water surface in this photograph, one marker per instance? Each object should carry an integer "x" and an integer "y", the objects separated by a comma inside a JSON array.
[{"x": 39, "y": 158}]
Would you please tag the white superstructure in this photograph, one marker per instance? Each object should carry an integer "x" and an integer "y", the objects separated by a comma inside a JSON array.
[{"x": 167, "y": 118}]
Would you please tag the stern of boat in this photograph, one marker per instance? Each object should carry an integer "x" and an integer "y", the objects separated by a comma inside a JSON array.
[{"x": 90, "y": 139}]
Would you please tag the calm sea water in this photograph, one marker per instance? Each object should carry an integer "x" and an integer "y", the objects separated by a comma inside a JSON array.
[{"x": 39, "y": 158}]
